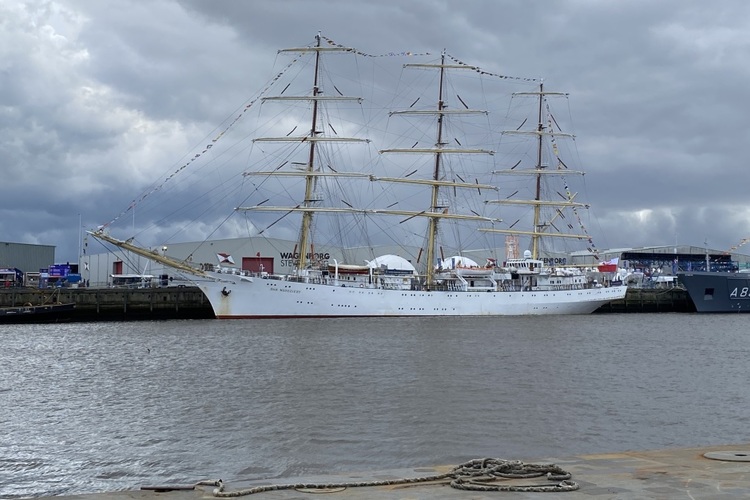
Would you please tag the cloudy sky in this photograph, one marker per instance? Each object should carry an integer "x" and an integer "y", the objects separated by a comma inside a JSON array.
[{"x": 98, "y": 99}]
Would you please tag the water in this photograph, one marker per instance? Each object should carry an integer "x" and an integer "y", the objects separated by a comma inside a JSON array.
[{"x": 109, "y": 406}]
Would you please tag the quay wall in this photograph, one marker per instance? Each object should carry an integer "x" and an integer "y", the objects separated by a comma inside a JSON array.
[
  {"x": 649, "y": 300},
  {"x": 123, "y": 304},
  {"x": 117, "y": 304}
]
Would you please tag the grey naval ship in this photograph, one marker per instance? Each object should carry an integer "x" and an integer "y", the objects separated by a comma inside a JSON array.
[{"x": 718, "y": 292}]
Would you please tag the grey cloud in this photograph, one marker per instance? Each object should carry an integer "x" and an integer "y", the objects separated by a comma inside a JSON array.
[{"x": 99, "y": 101}]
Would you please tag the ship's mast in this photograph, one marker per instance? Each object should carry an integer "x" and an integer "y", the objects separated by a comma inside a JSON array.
[
  {"x": 432, "y": 228},
  {"x": 539, "y": 166},
  {"x": 437, "y": 211},
  {"x": 539, "y": 227},
  {"x": 310, "y": 180},
  {"x": 309, "y": 204}
]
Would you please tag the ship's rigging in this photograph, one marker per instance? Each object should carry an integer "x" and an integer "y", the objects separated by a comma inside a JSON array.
[{"x": 443, "y": 185}]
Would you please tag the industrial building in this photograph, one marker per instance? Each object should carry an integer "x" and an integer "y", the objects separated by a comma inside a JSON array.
[
  {"x": 671, "y": 258},
  {"x": 23, "y": 263},
  {"x": 25, "y": 256}
]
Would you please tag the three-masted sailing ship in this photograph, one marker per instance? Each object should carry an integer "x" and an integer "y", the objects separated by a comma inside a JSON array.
[{"x": 389, "y": 285}]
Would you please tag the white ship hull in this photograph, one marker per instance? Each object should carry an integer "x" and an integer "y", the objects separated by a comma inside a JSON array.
[{"x": 243, "y": 297}]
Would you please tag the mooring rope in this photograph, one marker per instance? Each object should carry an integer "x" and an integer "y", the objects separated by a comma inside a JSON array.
[{"x": 474, "y": 475}]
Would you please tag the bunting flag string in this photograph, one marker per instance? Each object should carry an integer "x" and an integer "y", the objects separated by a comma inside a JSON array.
[
  {"x": 195, "y": 157},
  {"x": 483, "y": 72},
  {"x": 405, "y": 53},
  {"x": 561, "y": 166},
  {"x": 742, "y": 242}
]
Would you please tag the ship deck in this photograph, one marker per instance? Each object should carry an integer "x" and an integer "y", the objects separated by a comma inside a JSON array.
[{"x": 695, "y": 473}]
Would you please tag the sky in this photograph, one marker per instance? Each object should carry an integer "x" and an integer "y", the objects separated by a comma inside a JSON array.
[{"x": 98, "y": 99}]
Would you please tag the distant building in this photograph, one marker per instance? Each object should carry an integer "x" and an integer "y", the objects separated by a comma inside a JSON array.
[
  {"x": 26, "y": 257},
  {"x": 674, "y": 258}
]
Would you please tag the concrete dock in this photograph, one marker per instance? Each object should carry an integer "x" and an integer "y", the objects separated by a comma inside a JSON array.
[{"x": 716, "y": 472}]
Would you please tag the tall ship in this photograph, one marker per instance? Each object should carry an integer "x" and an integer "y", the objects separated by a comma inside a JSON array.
[{"x": 439, "y": 190}]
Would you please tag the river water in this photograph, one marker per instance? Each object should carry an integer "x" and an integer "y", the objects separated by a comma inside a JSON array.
[{"x": 108, "y": 406}]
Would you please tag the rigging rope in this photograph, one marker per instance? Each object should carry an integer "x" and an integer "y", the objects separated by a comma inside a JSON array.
[
  {"x": 561, "y": 166},
  {"x": 483, "y": 72},
  {"x": 364, "y": 54},
  {"x": 268, "y": 86},
  {"x": 474, "y": 475},
  {"x": 743, "y": 241}
]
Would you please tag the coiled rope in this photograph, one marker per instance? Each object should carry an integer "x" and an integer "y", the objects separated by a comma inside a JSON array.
[{"x": 474, "y": 475}]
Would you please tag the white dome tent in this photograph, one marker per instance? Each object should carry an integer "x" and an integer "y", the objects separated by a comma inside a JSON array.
[{"x": 392, "y": 263}]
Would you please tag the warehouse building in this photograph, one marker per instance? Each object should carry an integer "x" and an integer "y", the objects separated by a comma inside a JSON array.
[{"x": 25, "y": 256}]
